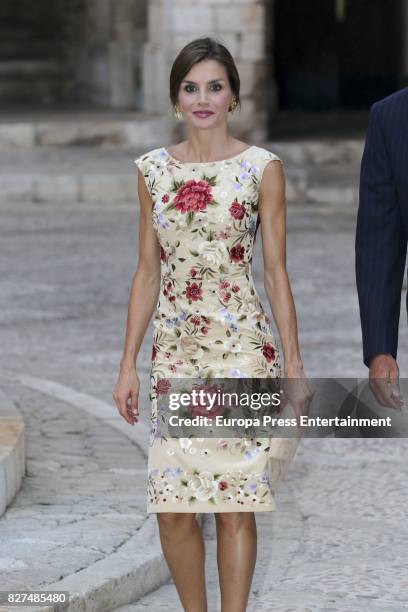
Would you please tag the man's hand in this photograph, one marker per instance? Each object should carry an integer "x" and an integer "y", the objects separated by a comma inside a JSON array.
[{"x": 384, "y": 381}]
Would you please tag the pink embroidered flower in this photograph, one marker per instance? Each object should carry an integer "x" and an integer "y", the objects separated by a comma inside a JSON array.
[
  {"x": 195, "y": 320},
  {"x": 235, "y": 288},
  {"x": 193, "y": 196},
  {"x": 227, "y": 297},
  {"x": 165, "y": 198},
  {"x": 224, "y": 284},
  {"x": 222, "y": 485},
  {"x": 237, "y": 210},
  {"x": 268, "y": 351},
  {"x": 204, "y": 329},
  {"x": 237, "y": 252},
  {"x": 225, "y": 233},
  {"x": 193, "y": 272}
]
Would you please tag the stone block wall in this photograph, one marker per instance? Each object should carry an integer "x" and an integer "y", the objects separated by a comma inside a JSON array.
[
  {"x": 238, "y": 24},
  {"x": 63, "y": 52},
  {"x": 107, "y": 57}
]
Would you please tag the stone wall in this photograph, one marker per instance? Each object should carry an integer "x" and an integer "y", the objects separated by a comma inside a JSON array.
[
  {"x": 239, "y": 24},
  {"x": 64, "y": 52},
  {"x": 108, "y": 52}
]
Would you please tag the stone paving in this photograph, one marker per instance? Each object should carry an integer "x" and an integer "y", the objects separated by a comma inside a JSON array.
[
  {"x": 338, "y": 541},
  {"x": 76, "y": 505}
]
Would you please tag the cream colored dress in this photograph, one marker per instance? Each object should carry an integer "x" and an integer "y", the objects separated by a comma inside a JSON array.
[{"x": 209, "y": 322}]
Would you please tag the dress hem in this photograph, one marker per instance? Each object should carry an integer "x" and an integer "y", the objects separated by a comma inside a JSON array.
[{"x": 219, "y": 508}]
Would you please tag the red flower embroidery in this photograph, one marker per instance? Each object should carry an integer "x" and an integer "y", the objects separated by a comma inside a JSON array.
[
  {"x": 193, "y": 196},
  {"x": 222, "y": 485},
  {"x": 162, "y": 254},
  {"x": 237, "y": 210},
  {"x": 204, "y": 329},
  {"x": 193, "y": 292},
  {"x": 165, "y": 198},
  {"x": 237, "y": 252},
  {"x": 202, "y": 407},
  {"x": 195, "y": 320},
  {"x": 235, "y": 288},
  {"x": 193, "y": 272},
  {"x": 268, "y": 351},
  {"x": 224, "y": 284},
  {"x": 162, "y": 387}
]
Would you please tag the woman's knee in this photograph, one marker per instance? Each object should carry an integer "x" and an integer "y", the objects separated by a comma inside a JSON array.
[
  {"x": 175, "y": 521},
  {"x": 235, "y": 521}
]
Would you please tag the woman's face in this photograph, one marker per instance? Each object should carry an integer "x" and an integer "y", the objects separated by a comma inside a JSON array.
[{"x": 206, "y": 90}]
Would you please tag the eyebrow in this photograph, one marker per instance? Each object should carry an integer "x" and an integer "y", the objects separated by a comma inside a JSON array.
[{"x": 194, "y": 83}]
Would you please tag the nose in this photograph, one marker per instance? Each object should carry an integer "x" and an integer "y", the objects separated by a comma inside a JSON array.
[{"x": 203, "y": 97}]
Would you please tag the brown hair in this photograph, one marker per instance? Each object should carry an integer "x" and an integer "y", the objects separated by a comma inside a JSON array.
[{"x": 196, "y": 51}]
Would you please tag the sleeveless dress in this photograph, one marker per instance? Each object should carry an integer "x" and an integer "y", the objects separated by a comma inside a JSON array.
[{"x": 209, "y": 322}]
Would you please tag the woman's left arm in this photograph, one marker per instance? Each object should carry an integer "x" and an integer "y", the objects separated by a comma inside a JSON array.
[{"x": 272, "y": 213}]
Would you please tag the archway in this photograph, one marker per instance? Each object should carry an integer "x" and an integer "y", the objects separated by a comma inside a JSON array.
[{"x": 336, "y": 54}]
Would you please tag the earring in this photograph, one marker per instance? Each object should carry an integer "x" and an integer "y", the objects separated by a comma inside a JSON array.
[
  {"x": 233, "y": 105},
  {"x": 177, "y": 112}
]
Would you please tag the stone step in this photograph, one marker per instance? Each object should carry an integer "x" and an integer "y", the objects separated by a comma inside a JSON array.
[
  {"x": 31, "y": 81},
  {"x": 81, "y": 128},
  {"x": 89, "y": 174},
  {"x": 13, "y": 48},
  {"x": 30, "y": 68},
  {"x": 12, "y": 451}
]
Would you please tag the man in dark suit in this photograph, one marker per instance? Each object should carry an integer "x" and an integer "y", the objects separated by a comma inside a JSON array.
[{"x": 381, "y": 240}]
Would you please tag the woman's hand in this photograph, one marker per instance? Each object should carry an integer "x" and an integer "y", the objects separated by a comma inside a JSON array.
[
  {"x": 126, "y": 394},
  {"x": 297, "y": 391}
]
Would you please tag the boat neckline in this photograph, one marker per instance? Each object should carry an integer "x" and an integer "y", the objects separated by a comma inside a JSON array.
[{"x": 214, "y": 161}]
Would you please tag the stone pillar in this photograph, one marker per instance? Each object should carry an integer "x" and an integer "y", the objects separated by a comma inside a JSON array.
[
  {"x": 108, "y": 52},
  {"x": 126, "y": 38},
  {"x": 238, "y": 24}
]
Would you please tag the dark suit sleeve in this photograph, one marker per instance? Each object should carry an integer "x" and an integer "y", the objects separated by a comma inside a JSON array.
[{"x": 381, "y": 245}]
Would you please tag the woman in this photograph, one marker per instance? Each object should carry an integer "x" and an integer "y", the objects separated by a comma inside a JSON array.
[{"x": 200, "y": 205}]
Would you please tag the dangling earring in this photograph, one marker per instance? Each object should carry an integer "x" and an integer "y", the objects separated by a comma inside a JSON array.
[
  {"x": 233, "y": 105},
  {"x": 177, "y": 112}
]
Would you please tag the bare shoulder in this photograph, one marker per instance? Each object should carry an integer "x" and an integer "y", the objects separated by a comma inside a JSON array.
[{"x": 272, "y": 181}]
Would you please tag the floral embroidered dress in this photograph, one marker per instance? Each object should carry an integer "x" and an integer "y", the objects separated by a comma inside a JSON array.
[{"x": 208, "y": 322}]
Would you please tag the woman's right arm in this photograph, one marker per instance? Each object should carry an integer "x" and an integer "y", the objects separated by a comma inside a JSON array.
[{"x": 143, "y": 298}]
